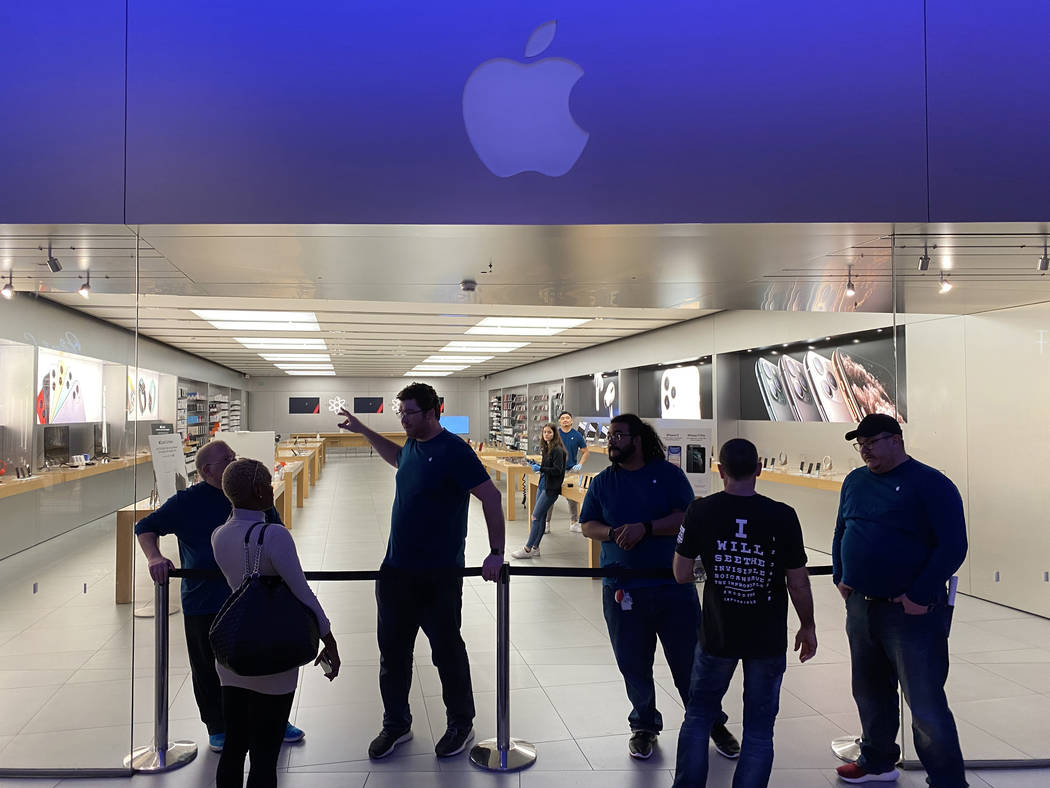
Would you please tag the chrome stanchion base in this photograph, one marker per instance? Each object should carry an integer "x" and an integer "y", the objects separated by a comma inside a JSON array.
[
  {"x": 149, "y": 759},
  {"x": 486, "y": 755},
  {"x": 846, "y": 748}
]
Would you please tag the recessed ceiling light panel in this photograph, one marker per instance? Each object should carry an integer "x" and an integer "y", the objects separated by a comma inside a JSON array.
[
  {"x": 310, "y": 372},
  {"x": 482, "y": 347},
  {"x": 533, "y": 322},
  {"x": 439, "y": 367},
  {"x": 304, "y": 366},
  {"x": 456, "y": 359},
  {"x": 426, "y": 374},
  {"x": 295, "y": 356},
  {"x": 282, "y": 343}
]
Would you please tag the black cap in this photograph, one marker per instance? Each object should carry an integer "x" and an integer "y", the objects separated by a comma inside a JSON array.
[{"x": 874, "y": 424}]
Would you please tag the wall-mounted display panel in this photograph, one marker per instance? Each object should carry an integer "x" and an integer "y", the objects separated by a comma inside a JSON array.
[
  {"x": 304, "y": 404},
  {"x": 593, "y": 395},
  {"x": 69, "y": 388},
  {"x": 143, "y": 400},
  {"x": 676, "y": 391},
  {"x": 368, "y": 404},
  {"x": 834, "y": 379}
]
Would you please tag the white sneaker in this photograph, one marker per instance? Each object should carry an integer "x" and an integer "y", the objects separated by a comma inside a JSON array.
[
  {"x": 547, "y": 528},
  {"x": 525, "y": 552},
  {"x": 575, "y": 527}
]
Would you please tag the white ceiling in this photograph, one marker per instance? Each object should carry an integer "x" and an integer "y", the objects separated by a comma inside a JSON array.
[{"x": 387, "y": 297}]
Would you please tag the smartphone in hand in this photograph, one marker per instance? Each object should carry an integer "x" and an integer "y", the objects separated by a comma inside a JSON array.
[{"x": 326, "y": 666}]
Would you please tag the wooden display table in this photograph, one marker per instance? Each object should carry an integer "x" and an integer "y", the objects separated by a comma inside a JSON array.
[
  {"x": 349, "y": 440},
  {"x": 130, "y": 515},
  {"x": 310, "y": 455},
  {"x": 514, "y": 473},
  {"x": 39, "y": 481}
]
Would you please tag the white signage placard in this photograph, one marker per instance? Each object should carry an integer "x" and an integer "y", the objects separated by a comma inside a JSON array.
[
  {"x": 253, "y": 445},
  {"x": 688, "y": 445},
  {"x": 169, "y": 465}
]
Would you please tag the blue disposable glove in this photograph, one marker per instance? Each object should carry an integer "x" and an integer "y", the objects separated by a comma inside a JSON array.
[
  {"x": 577, "y": 468},
  {"x": 535, "y": 466}
]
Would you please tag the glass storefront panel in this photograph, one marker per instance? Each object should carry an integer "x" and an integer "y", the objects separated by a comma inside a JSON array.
[{"x": 70, "y": 462}]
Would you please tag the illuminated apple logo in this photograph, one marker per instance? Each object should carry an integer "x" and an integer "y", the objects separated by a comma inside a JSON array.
[{"x": 517, "y": 114}]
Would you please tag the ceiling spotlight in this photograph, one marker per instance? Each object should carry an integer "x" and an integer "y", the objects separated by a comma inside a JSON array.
[
  {"x": 1044, "y": 261},
  {"x": 52, "y": 261},
  {"x": 8, "y": 289},
  {"x": 85, "y": 289},
  {"x": 850, "y": 289},
  {"x": 924, "y": 260},
  {"x": 946, "y": 286}
]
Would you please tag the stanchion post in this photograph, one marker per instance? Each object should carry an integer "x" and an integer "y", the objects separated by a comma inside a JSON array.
[
  {"x": 161, "y": 756},
  {"x": 503, "y": 754}
]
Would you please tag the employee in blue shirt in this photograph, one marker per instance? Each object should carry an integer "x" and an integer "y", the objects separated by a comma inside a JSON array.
[
  {"x": 419, "y": 585},
  {"x": 899, "y": 537},
  {"x": 192, "y": 514},
  {"x": 635, "y": 507},
  {"x": 576, "y": 451}
]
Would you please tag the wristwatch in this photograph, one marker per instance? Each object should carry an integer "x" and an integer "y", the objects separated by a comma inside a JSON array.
[
  {"x": 648, "y": 528},
  {"x": 496, "y": 551}
]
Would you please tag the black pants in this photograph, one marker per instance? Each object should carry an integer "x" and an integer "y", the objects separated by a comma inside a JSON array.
[
  {"x": 255, "y": 727},
  {"x": 206, "y": 688},
  {"x": 408, "y": 601}
]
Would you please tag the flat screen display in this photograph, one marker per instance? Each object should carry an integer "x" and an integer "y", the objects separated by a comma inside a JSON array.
[
  {"x": 70, "y": 388},
  {"x": 368, "y": 404},
  {"x": 56, "y": 444},
  {"x": 304, "y": 404},
  {"x": 458, "y": 425}
]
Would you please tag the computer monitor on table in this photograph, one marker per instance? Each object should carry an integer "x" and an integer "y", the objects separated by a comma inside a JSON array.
[{"x": 56, "y": 445}]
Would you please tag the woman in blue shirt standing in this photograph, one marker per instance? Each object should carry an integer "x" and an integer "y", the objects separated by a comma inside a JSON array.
[{"x": 552, "y": 473}]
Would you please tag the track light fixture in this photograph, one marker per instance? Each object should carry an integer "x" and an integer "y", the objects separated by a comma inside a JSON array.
[
  {"x": 52, "y": 261},
  {"x": 8, "y": 289},
  {"x": 946, "y": 286},
  {"x": 850, "y": 289},
  {"x": 924, "y": 260},
  {"x": 1044, "y": 262},
  {"x": 85, "y": 289}
]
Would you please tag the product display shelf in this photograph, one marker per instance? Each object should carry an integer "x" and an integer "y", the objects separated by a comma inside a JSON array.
[
  {"x": 495, "y": 421},
  {"x": 544, "y": 405},
  {"x": 235, "y": 415},
  {"x": 192, "y": 415}
]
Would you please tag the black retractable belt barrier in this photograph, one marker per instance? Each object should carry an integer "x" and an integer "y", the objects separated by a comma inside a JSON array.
[{"x": 501, "y": 754}]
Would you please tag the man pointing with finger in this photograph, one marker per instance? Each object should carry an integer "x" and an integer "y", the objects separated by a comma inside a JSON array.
[
  {"x": 899, "y": 537},
  {"x": 419, "y": 586}
]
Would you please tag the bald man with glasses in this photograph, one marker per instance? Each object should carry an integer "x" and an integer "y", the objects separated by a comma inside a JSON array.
[
  {"x": 899, "y": 537},
  {"x": 191, "y": 515}
]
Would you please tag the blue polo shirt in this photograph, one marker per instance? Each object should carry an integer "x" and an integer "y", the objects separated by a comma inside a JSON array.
[
  {"x": 901, "y": 532},
  {"x": 428, "y": 523},
  {"x": 573, "y": 443},
  {"x": 617, "y": 496},
  {"x": 192, "y": 514}
]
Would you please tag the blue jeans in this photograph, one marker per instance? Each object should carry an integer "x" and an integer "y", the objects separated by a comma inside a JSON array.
[
  {"x": 888, "y": 647},
  {"x": 544, "y": 501},
  {"x": 711, "y": 677},
  {"x": 669, "y": 612}
]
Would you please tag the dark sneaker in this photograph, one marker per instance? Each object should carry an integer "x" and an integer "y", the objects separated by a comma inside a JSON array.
[
  {"x": 725, "y": 742},
  {"x": 293, "y": 734},
  {"x": 852, "y": 773},
  {"x": 641, "y": 745},
  {"x": 453, "y": 742},
  {"x": 384, "y": 744}
]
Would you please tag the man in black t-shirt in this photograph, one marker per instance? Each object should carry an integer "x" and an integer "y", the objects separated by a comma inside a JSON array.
[{"x": 749, "y": 544}]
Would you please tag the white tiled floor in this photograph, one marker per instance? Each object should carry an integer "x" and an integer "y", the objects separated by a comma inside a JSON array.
[{"x": 67, "y": 654}]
